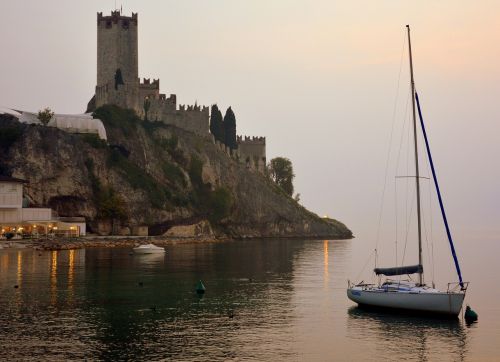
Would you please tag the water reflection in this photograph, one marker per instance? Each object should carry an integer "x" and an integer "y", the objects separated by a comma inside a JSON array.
[
  {"x": 19, "y": 268},
  {"x": 4, "y": 262},
  {"x": 143, "y": 300},
  {"x": 325, "y": 263},
  {"x": 150, "y": 260},
  {"x": 53, "y": 278},
  {"x": 408, "y": 337},
  {"x": 71, "y": 271},
  {"x": 265, "y": 300}
]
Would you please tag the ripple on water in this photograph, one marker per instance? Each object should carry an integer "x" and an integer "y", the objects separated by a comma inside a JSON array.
[{"x": 265, "y": 300}]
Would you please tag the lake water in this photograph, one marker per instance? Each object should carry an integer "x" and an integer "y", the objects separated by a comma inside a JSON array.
[{"x": 286, "y": 299}]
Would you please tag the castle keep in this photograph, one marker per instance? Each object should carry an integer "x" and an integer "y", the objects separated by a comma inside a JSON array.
[
  {"x": 118, "y": 83},
  {"x": 118, "y": 78},
  {"x": 117, "y": 61}
]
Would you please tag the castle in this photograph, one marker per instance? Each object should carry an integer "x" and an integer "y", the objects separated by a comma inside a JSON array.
[
  {"x": 118, "y": 78},
  {"x": 118, "y": 83}
]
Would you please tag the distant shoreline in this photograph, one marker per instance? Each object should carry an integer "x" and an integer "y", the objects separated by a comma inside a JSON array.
[{"x": 126, "y": 241}]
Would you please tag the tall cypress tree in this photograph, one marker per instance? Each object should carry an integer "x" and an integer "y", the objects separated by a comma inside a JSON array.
[
  {"x": 216, "y": 124},
  {"x": 230, "y": 129}
]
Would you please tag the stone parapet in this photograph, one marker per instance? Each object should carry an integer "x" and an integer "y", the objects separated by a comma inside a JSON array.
[{"x": 115, "y": 18}]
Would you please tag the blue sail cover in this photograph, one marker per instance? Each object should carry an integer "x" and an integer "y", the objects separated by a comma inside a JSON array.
[
  {"x": 448, "y": 232},
  {"x": 400, "y": 270}
]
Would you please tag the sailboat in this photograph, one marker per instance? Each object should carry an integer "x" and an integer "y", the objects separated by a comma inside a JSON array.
[{"x": 414, "y": 296}]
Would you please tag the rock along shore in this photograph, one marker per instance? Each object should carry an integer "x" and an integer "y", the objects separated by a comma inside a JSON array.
[
  {"x": 106, "y": 242},
  {"x": 99, "y": 242}
]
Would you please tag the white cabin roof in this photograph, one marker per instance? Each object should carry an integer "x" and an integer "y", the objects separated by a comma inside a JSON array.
[{"x": 73, "y": 123}]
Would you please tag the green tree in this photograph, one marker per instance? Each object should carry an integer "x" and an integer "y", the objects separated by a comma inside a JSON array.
[
  {"x": 111, "y": 205},
  {"x": 219, "y": 204},
  {"x": 281, "y": 172},
  {"x": 45, "y": 116},
  {"x": 216, "y": 124},
  {"x": 230, "y": 129}
]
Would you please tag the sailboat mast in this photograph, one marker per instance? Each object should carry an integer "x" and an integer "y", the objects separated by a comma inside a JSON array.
[{"x": 417, "y": 174}]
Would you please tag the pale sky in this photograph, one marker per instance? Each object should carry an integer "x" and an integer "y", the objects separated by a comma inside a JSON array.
[{"x": 317, "y": 78}]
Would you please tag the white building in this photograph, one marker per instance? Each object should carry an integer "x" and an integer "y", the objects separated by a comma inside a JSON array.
[
  {"x": 71, "y": 123},
  {"x": 26, "y": 221}
]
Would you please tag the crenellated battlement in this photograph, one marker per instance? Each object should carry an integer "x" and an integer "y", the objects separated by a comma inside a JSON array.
[
  {"x": 146, "y": 83},
  {"x": 116, "y": 18},
  {"x": 193, "y": 108},
  {"x": 251, "y": 140},
  {"x": 172, "y": 99}
]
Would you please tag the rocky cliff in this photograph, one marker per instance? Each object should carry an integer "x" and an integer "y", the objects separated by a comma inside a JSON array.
[{"x": 150, "y": 174}]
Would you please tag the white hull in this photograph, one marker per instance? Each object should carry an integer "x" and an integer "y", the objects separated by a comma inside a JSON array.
[
  {"x": 429, "y": 302},
  {"x": 149, "y": 249}
]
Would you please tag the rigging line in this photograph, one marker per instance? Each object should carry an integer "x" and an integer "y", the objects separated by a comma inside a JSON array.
[
  {"x": 405, "y": 119},
  {"x": 426, "y": 234},
  {"x": 432, "y": 237},
  {"x": 390, "y": 143},
  {"x": 407, "y": 159},
  {"x": 431, "y": 250},
  {"x": 396, "y": 216},
  {"x": 408, "y": 222},
  {"x": 364, "y": 267},
  {"x": 441, "y": 206}
]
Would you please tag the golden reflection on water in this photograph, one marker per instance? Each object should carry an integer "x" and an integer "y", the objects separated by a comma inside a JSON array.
[
  {"x": 71, "y": 271},
  {"x": 325, "y": 262},
  {"x": 19, "y": 268},
  {"x": 4, "y": 263},
  {"x": 53, "y": 277}
]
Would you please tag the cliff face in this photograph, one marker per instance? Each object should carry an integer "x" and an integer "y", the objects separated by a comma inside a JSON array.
[{"x": 151, "y": 174}]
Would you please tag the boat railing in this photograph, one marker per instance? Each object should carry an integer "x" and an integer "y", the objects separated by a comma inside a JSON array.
[
  {"x": 456, "y": 287},
  {"x": 360, "y": 284}
]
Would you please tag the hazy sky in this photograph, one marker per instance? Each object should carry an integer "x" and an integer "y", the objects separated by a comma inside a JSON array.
[{"x": 317, "y": 78}]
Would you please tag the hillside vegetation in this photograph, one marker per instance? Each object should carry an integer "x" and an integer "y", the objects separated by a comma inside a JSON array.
[{"x": 150, "y": 174}]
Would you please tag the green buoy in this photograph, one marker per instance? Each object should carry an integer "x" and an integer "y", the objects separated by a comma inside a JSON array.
[
  {"x": 200, "y": 288},
  {"x": 470, "y": 316}
]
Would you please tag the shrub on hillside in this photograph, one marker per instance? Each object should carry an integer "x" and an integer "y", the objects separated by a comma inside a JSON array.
[
  {"x": 9, "y": 135},
  {"x": 116, "y": 117}
]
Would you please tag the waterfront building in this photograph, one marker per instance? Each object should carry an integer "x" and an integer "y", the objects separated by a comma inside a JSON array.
[{"x": 23, "y": 221}]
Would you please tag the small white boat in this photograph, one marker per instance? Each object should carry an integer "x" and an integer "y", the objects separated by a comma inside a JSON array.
[
  {"x": 148, "y": 249},
  {"x": 407, "y": 295}
]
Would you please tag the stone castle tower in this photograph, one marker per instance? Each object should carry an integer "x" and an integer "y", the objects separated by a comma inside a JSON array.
[
  {"x": 118, "y": 79},
  {"x": 117, "y": 61},
  {"x": 118, "y": 83}
]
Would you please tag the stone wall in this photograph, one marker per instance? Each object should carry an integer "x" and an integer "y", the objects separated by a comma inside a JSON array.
[
  {"x": 117, "y": 49},
  {"x": 160, "y": 107},
  {"x": 148, "y": 89},
  {"x": 252, "y": 152},
  {"x": 125, "y": 96},
  {"x": 190, "y": 118},
  {"x": 195, "y": 119}
]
